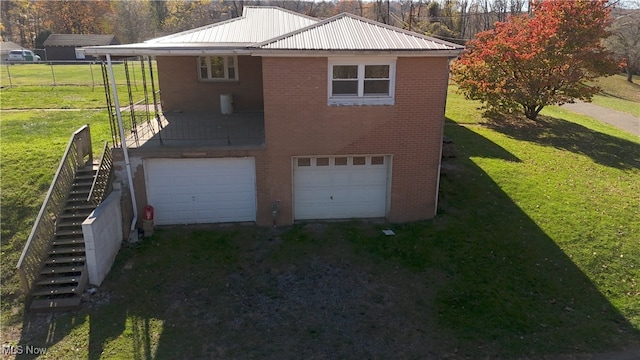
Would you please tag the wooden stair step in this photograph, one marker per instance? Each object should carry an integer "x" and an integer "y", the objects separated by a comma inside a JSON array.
[
  {"x": 68, "y": 236},
  {"x": 50, "y": 270},
  {"x": 60, "y": 250},
  {"x": 79, "y": 207},
  {"x": 58, "y": 280},
  {"x": 55, "y": 290},
  {"x": 63, "y": 232},
  {"x": 83, "y": 176},
  {"x": 67, "y": 241},
  {"x": 65, "y": 260},
  {"x": 61, "y": 304},
  {"x": 81, "y": 192},
  {"x": 78, "y": 214},
  {"x": 81, "y": 184},
  {"x": 77, "y": 198},
  {"x": 70, "y": 223}
]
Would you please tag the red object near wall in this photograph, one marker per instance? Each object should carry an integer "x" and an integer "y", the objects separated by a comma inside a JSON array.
[{"x": 148, "y": 212}]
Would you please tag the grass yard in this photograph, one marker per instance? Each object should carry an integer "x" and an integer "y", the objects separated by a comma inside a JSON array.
[
  {"x": 50, "y": 75},
  {"x": 618, "y": 94},
  {"x": 30, "y": 150},
  {"x": 535, "y": 252},
  {"x": 32, "y": 86},
  {"x": 59, "y": 97},
  {"x": 86, "y": 74}
]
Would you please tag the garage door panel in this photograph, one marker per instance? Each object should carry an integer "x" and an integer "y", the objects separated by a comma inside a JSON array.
[
  {"x": 308, "y": 177},
  {"x": 199, "y": 180},
  {"x": 333, "y": 192},
  {"x": 234, "y": 198},
  {"x": 187, "y": 191},
  {"x": 236, "y": 188}
]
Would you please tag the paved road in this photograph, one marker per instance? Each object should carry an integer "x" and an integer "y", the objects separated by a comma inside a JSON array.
[{"x": 619, "y": 119}]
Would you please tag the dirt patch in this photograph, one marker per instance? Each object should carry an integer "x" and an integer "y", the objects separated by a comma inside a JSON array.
[{"x": 303, "y": 292}]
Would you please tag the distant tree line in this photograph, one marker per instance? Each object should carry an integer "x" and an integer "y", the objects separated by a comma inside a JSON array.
[{"x": 29, "y": 22}]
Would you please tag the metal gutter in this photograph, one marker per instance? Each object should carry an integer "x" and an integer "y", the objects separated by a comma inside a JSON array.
[
  {"x": 151, "y": 51},
  {"x": 332, "y": 53},
  {"x": 446, "y": 89}
]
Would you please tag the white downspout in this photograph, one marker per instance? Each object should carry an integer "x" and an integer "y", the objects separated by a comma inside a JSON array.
[
  {"x": 123, "y": 140},
  {"x": 446, "y": 90}
]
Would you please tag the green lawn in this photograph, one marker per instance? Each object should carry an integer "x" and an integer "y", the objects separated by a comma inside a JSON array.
[
  {"x": 535, "y": 251},
  {"x": 619, "y": 94},
  {"x": 78, "y": 75},
  {"x": 61, "y": 97},
  {"x": 32, "y": 86},
  {"x": 30, "y": 150}
]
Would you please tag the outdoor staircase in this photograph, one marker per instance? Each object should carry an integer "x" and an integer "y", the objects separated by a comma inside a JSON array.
[{"x": 63, "y": 276}]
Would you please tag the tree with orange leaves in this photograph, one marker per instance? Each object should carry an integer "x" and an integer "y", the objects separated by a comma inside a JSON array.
[
  {"x": 78, "y": 17},
  {"x": 531, "y": 61}
]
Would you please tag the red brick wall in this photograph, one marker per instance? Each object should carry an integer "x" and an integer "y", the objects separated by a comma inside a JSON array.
[
  {"x": 298, "y": 121},
  {"x": 181, "y": 89}
]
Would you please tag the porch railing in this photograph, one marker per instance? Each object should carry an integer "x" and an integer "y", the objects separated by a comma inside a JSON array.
[
  {"x": 102, "y": 182},
  {"x": 77, "y": 155}
]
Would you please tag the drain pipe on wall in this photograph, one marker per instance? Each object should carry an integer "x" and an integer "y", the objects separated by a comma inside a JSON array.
[
  {"x": 275, "y": 211},
  {"x": 446, "y": 89},
  {"x": 133, "y": 234}
]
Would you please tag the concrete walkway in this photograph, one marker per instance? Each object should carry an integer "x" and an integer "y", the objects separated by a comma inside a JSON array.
[{"x": 619, "y": 119}]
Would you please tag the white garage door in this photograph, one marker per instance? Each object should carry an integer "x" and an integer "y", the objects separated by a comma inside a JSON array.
[
  {"x": 340, "y": 187},
  {"x": 191, "y": 191}
]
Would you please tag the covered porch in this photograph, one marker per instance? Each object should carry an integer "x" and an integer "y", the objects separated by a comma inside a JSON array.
[
  {"x": 171, "y": 117},
  {"x": 199, "y": 129}
]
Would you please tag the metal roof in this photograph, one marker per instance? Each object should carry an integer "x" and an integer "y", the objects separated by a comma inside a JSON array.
[
  {"x": 350, "y": 32},
  {"x": 6, "y": 46},
  {"x": 80, "y": 40},
  {"x": 257, "y": 24},
  {"x": 272, "y": 31}
]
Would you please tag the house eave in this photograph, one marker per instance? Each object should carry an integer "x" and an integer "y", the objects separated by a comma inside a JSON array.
[
  {"x": 351, "y": 53},
  {"x": 237, "y": 49},
  {"x": 167, "y": 50}
]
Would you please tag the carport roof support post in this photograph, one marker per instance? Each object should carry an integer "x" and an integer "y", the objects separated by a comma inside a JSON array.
[{"x": 125, "y": 151}]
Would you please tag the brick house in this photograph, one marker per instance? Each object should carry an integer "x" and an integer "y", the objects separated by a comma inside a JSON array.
[{"x": 274, "y": 117}]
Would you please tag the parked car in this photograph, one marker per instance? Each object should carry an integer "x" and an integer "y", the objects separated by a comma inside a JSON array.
[{"x": 23, "y": 55}]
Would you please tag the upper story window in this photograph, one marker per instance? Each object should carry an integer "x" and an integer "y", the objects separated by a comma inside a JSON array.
[
  {"x": 358, "y": 82},
  {"x": 218, "y": 68}
]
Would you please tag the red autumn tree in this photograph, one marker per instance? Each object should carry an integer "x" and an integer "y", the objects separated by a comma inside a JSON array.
[{"x": 531, "y": 61}]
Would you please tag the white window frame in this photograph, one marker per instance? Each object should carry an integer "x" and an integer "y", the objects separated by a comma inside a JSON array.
[
  {"x": 225, "y": 59},
  {"x": 361, "y": 98}
]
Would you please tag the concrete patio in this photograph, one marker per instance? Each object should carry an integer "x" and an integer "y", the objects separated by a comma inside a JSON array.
[{"x": 198, "y": 128}]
